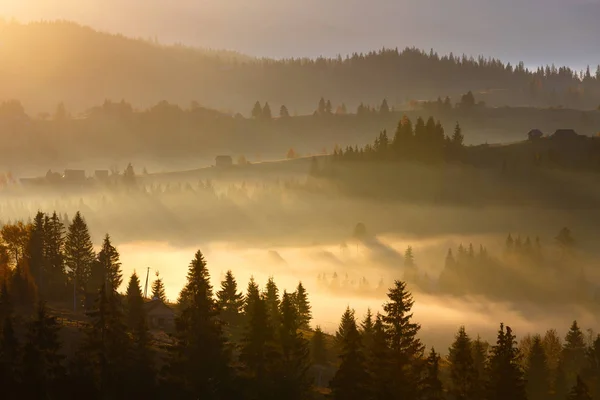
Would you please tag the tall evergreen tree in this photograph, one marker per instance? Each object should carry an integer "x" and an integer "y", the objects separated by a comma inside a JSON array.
[
  {"x": 574, "y": 350},
  {"x": 432, "y": 385},
  {"x": 257, "y": 110},
  {"x": 302, "y": 306},
  {"x": 79, "y": 257},
  {"x": 252, "y": 295},
  {"x": 107, "y": 345},
  {"x": 271, "y": 296},
  {"x": 367, "y": 328},
  {"x": 107, "y": 268},
  {"x": 35, "y": 252},
  {"x": 537, "y": 373},
  {"x": 295, "y": 382},
  {"x": 43, "y": 370},
  {"x": 231, "y": 304},
  {"x": 379, "y": 363},
  {"x": 506, "y": 380},
  {"x": 158, "y": 289},
  {"x": 384, "y": 109},
  {"x": 322, "y": 107},
  {"x": 200, "y": 362},
  {"x": 318, "y": 349},
  {"x": 406, "y": 349},
  {"x": 266, "y": 112},
  {"x": 462, "y": 368},
  {"x": 457, "y": 137},
  {"x": 283, "y": 112},
  {"x": 259, "y": 354},
  {"x": 135, "y": 302},
  {"x": 54, "y": 259},
  {"x": 346, "y": 323},
  {"x": 351, "y": 380},
  {"x": 480, "y": 349}
]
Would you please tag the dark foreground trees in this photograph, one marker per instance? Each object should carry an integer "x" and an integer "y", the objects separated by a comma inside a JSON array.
[{"x": 227, "y": 345}]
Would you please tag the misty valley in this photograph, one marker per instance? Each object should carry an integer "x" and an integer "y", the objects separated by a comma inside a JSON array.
[{"x": 391, "y": 225}]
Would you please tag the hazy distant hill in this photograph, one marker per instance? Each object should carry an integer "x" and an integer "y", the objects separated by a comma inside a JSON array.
[{"x": 45, "y": 63}]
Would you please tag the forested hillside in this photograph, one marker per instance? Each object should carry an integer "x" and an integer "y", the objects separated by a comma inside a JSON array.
[{"x": 77, "y": 65}]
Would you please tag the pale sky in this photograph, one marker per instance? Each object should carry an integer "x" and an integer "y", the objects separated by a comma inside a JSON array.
[{"x": 534, "y": 31}]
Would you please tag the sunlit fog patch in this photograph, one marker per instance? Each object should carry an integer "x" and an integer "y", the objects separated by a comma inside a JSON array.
[{"x": 316, "y": 266}]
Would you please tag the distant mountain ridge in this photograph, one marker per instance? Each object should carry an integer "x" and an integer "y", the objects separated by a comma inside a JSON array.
[{"x": 48, "y": 62}]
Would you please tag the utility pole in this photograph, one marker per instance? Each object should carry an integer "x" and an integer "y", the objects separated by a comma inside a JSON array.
[{"x": 146, "y": 286}]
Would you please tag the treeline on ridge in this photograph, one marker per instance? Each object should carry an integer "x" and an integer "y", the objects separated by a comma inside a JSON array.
[{"x": 231, "y": 81}]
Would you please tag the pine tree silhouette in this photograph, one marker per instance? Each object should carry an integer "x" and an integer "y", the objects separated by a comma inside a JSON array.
[
  {"x": 303, "y": 307},
  {"x": 432, "y": 385},
  {"x": 79, "y": 257},
  {"x": 537, "y": 374},
  {"x": 200, "y": 360},
  {"x": 351, "y": 380},
  {"x": 462, "y": 368},
  {"x": 43, "y": 370},
  {"x": 506, "y": 378},
  {"x": 318, "y": 349},
  {"x": 406, "y": 350}
]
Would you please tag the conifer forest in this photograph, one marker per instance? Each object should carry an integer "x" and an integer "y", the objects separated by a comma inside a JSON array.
[{"x": 391, "y": 200}]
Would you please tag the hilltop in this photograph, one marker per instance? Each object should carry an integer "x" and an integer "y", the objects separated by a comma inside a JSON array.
[{"x": 82, "y": 67}]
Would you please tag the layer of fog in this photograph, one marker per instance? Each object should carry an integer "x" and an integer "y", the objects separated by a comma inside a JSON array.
[{"x": 440, "y": 316}]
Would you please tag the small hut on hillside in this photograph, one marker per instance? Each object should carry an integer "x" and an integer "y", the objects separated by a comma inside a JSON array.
[
  {"x": 565, "y": 134},
  {"x": 535, "y": 134},
  {"x": 159, "y": 315},
  {"x": 223, "y": 161}
]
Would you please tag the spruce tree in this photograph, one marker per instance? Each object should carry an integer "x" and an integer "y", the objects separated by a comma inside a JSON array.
[
  {"x": 252, "y": 295},
  {"x": 574, "y": 350},
  {"x": 142, "y": 373},
  {"x": 79, "y": 257},
  {"x": 257, "y": 110},
  {"x": 351, "y": 380},
  {"x": 506, "y": 380},
  {"x": 107, "y": 268},
  {"x": 271, "y": 296},
  {"x": 462, "y": 368},
  {"x": 295, "y": 382},
  {"x": 579, "y": 391},
  {"x": 107, "y": 345},
  {"x": 379, "y": 363},
  {"x": 158, "y": 290},
  {"x": 480, "y": 349},
  {"x": 537, "y": 373},
  {"x": 432, "y": 385},
  {"x": 259, "y": 354},
  {"x": 367, "y": 329},
  {"x": 43, "y": 369},
  {"x": 35, "y": 253},
  {"x": 321, "y": 107},
  {"x": 384, "y": 109},
  {"x": 318, "y": 349},
  {"x": 135, "y": 302},
  {"x": 302, "y": 306},
  {"x": 54, "y": 259},
  {"x": 283, "y": 112},
  {"x": 231, "y": 304},
  {"x": 200, "y": 362},
  {"x": 266, "y": 112},
  {"x": 406, "y": 350},
  {"x": 346, "y": 323}
]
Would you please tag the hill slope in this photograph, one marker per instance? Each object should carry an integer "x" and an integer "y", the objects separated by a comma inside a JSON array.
[{"x": 45, "y": 63}]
